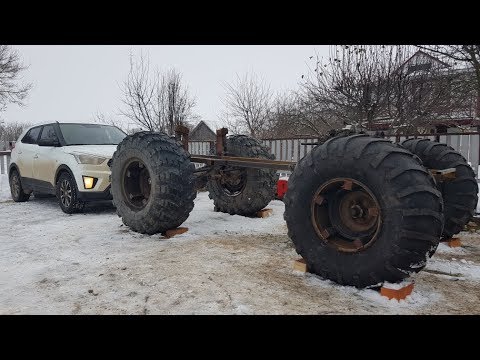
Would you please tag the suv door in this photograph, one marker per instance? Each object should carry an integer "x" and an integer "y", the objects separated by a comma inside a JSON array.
[
  {"x": 45, "y": 159},
  {"x": 26, "y": 152}
]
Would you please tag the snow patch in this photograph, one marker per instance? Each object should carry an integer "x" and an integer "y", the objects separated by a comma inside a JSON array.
[
  {"x": 445, "y": 249},
  {"x": 397, "y": 286},
  {"x": 418, "y": 265},
  {"x": 242, "y": 309},
  {"x": 460, "y": 269},
  {"x": 418, "y": 299}
]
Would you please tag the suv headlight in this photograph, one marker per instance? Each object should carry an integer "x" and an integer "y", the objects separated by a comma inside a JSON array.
[{"x": 89, "y": 159}]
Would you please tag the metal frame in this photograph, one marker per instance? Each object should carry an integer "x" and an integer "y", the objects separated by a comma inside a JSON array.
[
  {"x": 213, "y": 161},
  {"x": 181, "y": 134}
]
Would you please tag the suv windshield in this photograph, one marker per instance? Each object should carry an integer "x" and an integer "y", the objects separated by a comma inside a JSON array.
[{"x": 91, "y": 134}]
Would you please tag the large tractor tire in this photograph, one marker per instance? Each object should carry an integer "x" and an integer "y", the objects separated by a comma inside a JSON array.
[
  {"x": 243, "y": 191},
  {"x": 152, "y": 182},
  {"x": 362, "y": 211},
  {"x": 460, "y": 194}
]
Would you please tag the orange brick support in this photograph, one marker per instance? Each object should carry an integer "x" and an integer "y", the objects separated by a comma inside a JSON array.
[
  {"x": 172, "y": 232},
  {"x": 454, "y": 242},
  {"x": 394, "y": 291}
]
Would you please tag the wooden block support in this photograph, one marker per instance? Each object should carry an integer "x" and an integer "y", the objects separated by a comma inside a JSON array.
[
  {"x": 264, "y": 213},
  {"x": 396, "y": 291},
  {"x": 300, "y": 265},
  {"x": 443, "y": 174},
  {"x": 172, "y": 232},
  {"x": 454, "y": 242}
]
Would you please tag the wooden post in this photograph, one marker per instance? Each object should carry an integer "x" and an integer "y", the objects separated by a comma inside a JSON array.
[
  {"x": 221, "y": 141},
  {"x": 181, "y": 134},
  {"x": 2, "y": 164},
  {"x": 172, "y": 232}
]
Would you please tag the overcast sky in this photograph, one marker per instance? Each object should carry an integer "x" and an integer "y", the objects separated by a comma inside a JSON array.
[{"x": 72, "y": 83}]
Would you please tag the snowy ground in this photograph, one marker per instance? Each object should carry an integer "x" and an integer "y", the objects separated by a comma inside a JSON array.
[{"x": 53, "y": 263}]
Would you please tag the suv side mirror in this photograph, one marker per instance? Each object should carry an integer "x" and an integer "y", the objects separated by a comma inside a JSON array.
[{"x": 48, "y": 142}]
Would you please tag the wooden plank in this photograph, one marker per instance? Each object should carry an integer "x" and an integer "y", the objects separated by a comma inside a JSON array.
[
  {"x": 443, "y": 174},
  {"x": 172, "y": 232},
  {"x": 264, "y": 213},
  {"x": 300, "y": 265}
]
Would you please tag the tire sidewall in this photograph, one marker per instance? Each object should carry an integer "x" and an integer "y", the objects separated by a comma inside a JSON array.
[
  {"x": 454, "y": 193},
  {"x": 118, "y": 169},
  {"x": 172, "y": 189},
  {"x": 13, "y": 174},
  {"x": 313, "y": 244},
  {"x": 410, "y": 210},
  {"x": 259, "y": 188}
]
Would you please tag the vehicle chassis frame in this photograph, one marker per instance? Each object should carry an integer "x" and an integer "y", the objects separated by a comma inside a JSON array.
[{"x": 214, "y": 162}]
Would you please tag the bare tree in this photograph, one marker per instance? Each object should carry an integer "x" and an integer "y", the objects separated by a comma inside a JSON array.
[
  {"x": 156, "y": 101},
  {"x": 292, "y": 116},
  {"x": 248, "y": 102},
  {"x": 435, "y": 95},
  {"x": 467, "y": 55},
  {"x": 10, "y": 131},
  {"x": 349, "y": 84},
  {"x": 101, "y": 118},
  {"x": 364, "y": 84},
  {"x": 11, "y": 90}
]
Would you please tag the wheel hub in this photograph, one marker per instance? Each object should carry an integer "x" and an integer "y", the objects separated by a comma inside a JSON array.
[
  {"x": 232, "y": 180},
  {"x": 354, "y": 211},
  {"x": 136, "y": 184},
  {"x": 65, "y": 193},
  {"x": 346, "y": 214}
]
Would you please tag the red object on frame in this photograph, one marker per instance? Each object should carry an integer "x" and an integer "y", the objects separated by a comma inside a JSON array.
[{"x": 282, "y": 186}]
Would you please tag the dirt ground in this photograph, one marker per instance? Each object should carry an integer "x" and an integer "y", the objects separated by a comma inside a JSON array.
[{"x": 53, "y": 263}]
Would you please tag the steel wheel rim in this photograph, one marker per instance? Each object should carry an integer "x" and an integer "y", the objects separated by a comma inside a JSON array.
[
  {"x": 65, "y": 193},
  {"x": 136, "y": 184},
  {"x": 232, "y": 181},
  {"x": 15, "y": 186},
  {"x": 346, "y": 215}
]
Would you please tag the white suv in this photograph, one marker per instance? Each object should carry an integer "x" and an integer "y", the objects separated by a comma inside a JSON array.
[{"x": 64, "y": 159}]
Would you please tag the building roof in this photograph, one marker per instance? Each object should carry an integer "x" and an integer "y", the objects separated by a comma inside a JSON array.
[
  {"x": 421, "y": 56},
  {"x": 202, "y": 132}
]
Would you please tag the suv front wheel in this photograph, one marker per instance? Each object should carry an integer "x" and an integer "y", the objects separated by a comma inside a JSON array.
[{"x": 67, "y": 194}]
